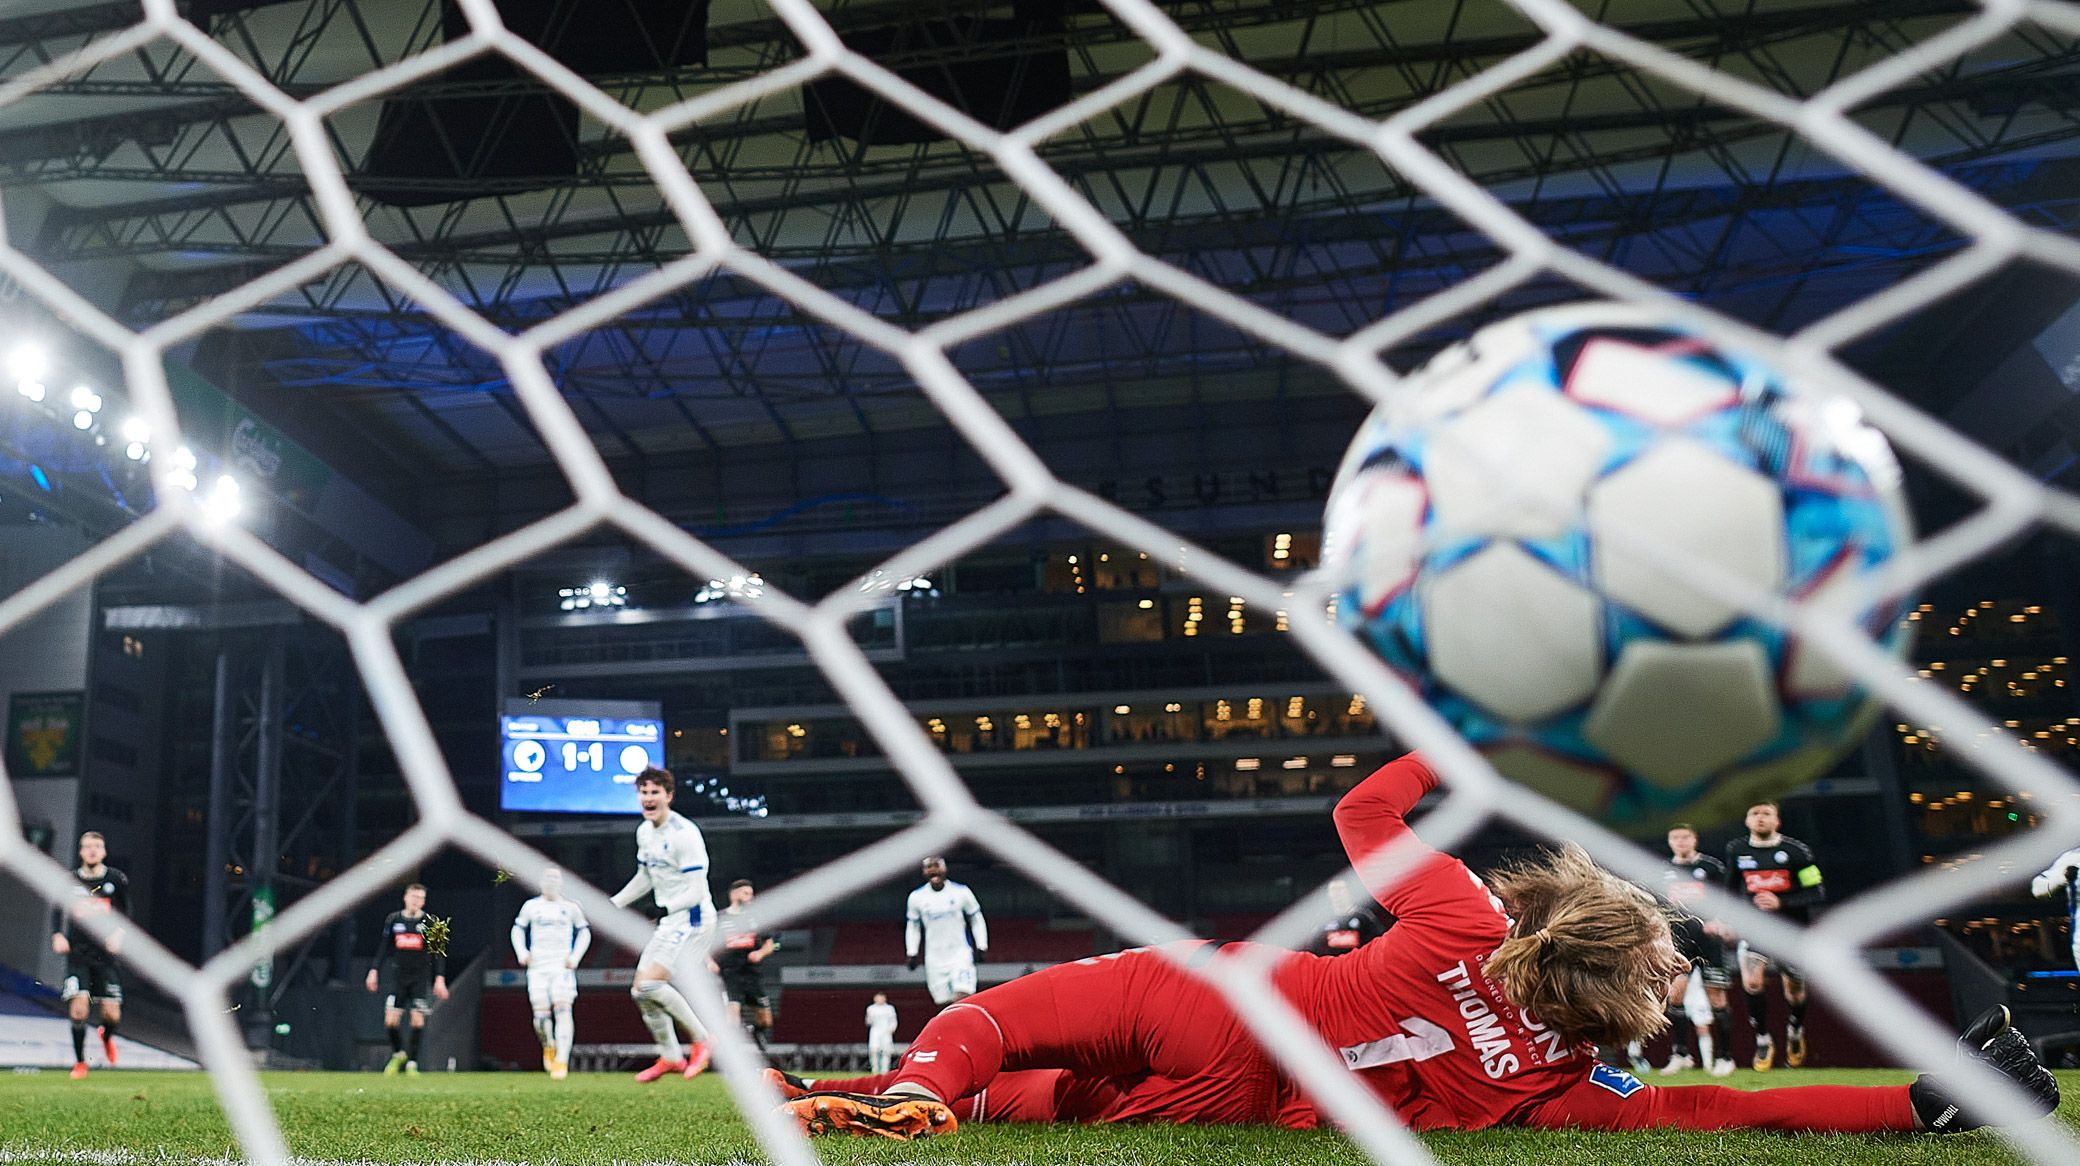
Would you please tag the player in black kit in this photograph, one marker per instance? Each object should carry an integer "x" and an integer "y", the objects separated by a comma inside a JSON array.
[
  {"x": 1702, "y": 943},
  {"x": 739, "y": 950},
  {"x": 413, "y": 969},
  {"x": 90, "y": 966},
  {"x": 1777, "y": 873},
  {"x": 1351, "y": 925}
]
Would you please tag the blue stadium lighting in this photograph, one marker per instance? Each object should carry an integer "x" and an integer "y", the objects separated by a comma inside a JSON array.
[{"x": 42, "y": 479}]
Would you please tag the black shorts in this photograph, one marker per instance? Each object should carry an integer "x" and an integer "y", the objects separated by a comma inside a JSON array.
[
  {"x": 1705, "y": 951},
  {"x": 1767, "y": 961},
  {"x": 747, "y": 988},
  {"x": 92, "y": 976},
  {"x": 412, "y": 993}
]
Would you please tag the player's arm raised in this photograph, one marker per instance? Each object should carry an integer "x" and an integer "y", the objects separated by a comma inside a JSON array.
[{"x": 1374, "y": 815}]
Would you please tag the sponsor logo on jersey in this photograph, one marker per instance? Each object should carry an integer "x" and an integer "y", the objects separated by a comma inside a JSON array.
[
  {"x": 1745, "y": 861},
  {"x": 1757, "y": 881},
  {"x": 410, "y": 941},
  {"x": 1616, "y": 1080}
]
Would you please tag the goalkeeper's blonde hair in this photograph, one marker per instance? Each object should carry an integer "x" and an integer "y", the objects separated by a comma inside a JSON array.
[{"x": 1588, "y": 953}]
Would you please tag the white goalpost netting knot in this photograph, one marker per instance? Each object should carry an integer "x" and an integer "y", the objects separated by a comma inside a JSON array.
[{"x": 2010, "y": 503}]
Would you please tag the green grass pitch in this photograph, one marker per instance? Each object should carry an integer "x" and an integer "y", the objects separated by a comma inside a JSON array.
[{"x": 121, "y": 1119}]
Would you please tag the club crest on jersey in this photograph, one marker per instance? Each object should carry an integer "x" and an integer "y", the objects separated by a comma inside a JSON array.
[{"x": 1616, "y": 1080}]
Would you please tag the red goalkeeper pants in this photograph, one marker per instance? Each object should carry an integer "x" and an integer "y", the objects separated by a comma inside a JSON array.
[{"x": 1143, "y": 1039}]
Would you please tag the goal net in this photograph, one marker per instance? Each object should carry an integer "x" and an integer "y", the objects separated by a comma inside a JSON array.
[{"x": 1823, "y": 127}]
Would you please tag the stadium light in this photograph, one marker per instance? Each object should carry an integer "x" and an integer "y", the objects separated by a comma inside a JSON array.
[
  {"x": 735, "y": 587},
  {"x": 598, "y": 593},
  {"x": 135, "y": 429},
  {"x": 31, "y": 389},
  {"x": 85, "y": 399},
  {"x": 27, "y": 362},
  {"x": 83, "y": 420},
  {"x": 222, "y": 504}
]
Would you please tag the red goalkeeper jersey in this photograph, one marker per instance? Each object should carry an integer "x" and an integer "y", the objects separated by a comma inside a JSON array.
[
  {"x": 1415, "y": 1018},
  {"x": 1411, "y": 1012}
]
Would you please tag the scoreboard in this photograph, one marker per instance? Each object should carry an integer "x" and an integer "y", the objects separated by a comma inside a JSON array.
[{"x": 576, "y": 756}]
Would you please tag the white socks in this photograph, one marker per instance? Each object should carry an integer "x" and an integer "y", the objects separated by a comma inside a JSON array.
[
  {"x": 563, "y": 1035},
  {"x": 661, "y": 1004}
]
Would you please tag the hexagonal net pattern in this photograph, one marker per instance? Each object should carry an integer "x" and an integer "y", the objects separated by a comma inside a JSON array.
[{"x": 2010, "y": 503}]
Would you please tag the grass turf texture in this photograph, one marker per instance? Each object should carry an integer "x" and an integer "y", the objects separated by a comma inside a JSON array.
[{"x": 117, "y": 1119}]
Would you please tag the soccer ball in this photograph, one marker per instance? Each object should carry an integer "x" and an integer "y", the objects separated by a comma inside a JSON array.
[{"x": 1474, "y": 540}]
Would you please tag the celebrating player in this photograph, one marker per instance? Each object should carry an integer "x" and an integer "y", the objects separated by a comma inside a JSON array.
[
  {"x": 945, "y": 915},
  {"x": 90, "y": 966},
  {"x": 2062, "y": 877},
  {"x": 1479, "y": 1008},
  {"x": 549, "y": 938},
  {"x": 1703, "y": 944},
  {"x": 1777, "y": 873},
  {"x": 411, "y": 968},
  {"x": 741, "y": 950},
  {"x": 672, "y": 866},
  {"x": 881, "y": 1034}
]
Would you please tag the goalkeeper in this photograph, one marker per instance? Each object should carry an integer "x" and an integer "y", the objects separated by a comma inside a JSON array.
[{"x": 1480, "y": 1008}]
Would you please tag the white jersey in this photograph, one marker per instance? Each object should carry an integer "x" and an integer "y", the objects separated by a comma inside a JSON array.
[
  {"x": 551, "y": 933},
  {"x": 672, "y": 865},
  {"x": 945, "y": 917},
  {"x": 881, "y": 1020},
  {"x": 2053, "y": 881}
]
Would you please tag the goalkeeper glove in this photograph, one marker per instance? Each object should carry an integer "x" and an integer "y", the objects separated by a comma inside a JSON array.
[{"x": 1989, "y": 1039}]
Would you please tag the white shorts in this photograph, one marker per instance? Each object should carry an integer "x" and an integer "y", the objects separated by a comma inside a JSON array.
[
  {"x": 551, "y": 987},
  {"x": 951, "y": 982},
  {"x": 1696, "y": 1004},
  {"x": 671, "y": 935},
  {"x": 881, "y": 1040}
]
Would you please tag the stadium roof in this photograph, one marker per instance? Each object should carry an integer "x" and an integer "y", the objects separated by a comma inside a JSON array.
[{"x": 149, "y": 184}]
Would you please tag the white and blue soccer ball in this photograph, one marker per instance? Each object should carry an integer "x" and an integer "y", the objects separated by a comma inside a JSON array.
[{"x": 1477, "y": 538}]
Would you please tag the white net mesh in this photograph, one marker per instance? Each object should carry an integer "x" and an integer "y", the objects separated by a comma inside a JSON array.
[{"x": 2010, "y": 503}]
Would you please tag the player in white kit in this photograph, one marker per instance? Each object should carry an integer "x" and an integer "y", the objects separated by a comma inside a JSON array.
[
  {"x": 944, "y": 915},
  {"x": 881, "y": 1034},
  {"x": 2062, "y": 880},
  {"x": 549, "y": 938},
  {"x": 672, "y": 866}
]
